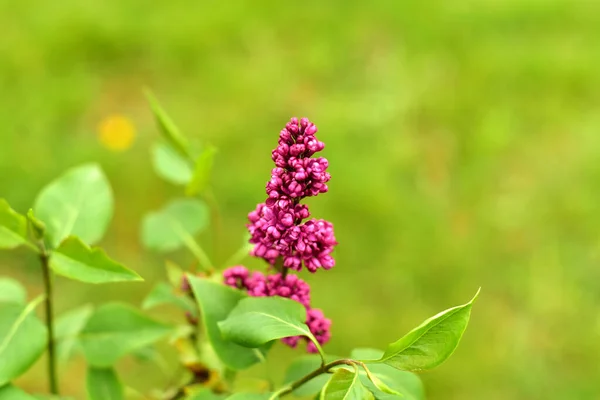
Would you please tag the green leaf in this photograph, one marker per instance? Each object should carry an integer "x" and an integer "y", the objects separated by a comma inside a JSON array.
[
  {"x": 432, "y": 342},
  {"x": 78, "y": 203},
  {"x": 103, "y": 384},
  {"x": 174, "y": 273},
  {"x": 162, "y": 293},
  {"x": 171, "y": 165},
  {"x": 11, "y": 291},
  {"x": 76, "y": 260},
  {"x": 37, "y": 226},
  {"x": 67, "y": 328},
  {"x": 13, "y": 227},
  {"x": 406, "y": 383},
  {"x": 22, "y": 339},
  {"x": 215, "y": 302},
  {"x": 202, "y": 170},
  {"x": 10, "y": 392},
  {"x": 168, "y": 127},
  {"x": 301, "y": 367},
  {"x": 345, "y": 385},
  {"x": 258, "y": 320},
  {"x": 115, "y": 330},
  {"x": 175, "y": 225}
]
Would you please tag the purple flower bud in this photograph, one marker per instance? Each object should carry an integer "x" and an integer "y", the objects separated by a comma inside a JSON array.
[{"x": 236, "y": 277}]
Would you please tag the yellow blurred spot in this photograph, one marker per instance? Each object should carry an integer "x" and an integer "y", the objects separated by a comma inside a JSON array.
[{"x": 116, "y": 132}]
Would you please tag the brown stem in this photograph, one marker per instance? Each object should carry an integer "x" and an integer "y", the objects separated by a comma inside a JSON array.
[
  {"x": 323, "y": 369},
  {"x": 48, "y": 288}
]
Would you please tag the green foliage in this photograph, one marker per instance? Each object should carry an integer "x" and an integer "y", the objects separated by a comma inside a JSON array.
[
  {"x": 406, "y": 383},
  {"x": 10, "y": 392},
  {"x": 170, "y": 164},
  {"x": 11, "y": 291},
  {"x": 216, "y": 302},
  {"x": 345, "y": 385},
  {"x": 175, "y": 225},
  {"x": 168, "y": 127},
  {"x": 75, "y": 260},
  {"x": 162, "y": 293},
  {"x": 38, "y": 227},
  {"x": 68, "y": 326},
  {"x": 115, "y": 330},
  {"x": 22, "y": 339},
  {"x": 432, "y": 342},
  {"x": 302, "y": 366},
  {"x": 258, "y": 320},
  {"x": 202, "y": 170},
  {"x": 103, "y": 384},
  {"x": 13, "y": 227},
  {"x": 250, "y": 396},
  {"x": 79, "y": 203}
]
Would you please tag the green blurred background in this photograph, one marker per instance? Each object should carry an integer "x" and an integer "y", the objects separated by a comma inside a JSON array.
[{"x": 463, "y": 140}]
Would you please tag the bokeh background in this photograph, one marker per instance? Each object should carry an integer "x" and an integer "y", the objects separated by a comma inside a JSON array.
[{"x": 463, "y": 140}]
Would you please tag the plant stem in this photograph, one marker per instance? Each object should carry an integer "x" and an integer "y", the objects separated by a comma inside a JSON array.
[
  {"x": 321, "y": 370},
  {"x": 52, "y": 376}
]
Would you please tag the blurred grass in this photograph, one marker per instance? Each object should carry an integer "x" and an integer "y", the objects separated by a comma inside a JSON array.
[{"x": 463, "y": 139}]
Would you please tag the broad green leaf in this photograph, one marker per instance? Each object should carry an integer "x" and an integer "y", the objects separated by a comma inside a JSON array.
[
  {"x": 175, "y": 225},
  {"x": 432, "y": 342},
  {"x": 345, "y": 385},
  {"x": 104, "y": 384},
  {"x": 171, "y": 165},
  {"x": 10, "y": 392},
  {"x": 76, "y": 260},
  {"x": 11, "y": 291},
  {"x": 67, "y": 328},
  {"x": 408, "y": 384},
  {"x": 250, "y": 396},
  {"x": 13, "y": 227},
  {"x": 115, "y": 330},
  {"x": 216, "y": 302},
  {"x": 78, "y": 203},
  {"x": 301, "y": 367},
  {"x": 202, "y": 171},
  {"x": 162, "y": 293},
  {"x": 258, "y": 320},
  {"x": 168, "y": 127},
  {"x": 22, "y": 339}
]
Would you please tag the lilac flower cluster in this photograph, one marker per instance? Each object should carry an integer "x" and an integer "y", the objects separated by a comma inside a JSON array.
[
  {"x": 289, "y": 286},
  {"x": 281, "y": 233},
  {"x": 276, "y": 226}
]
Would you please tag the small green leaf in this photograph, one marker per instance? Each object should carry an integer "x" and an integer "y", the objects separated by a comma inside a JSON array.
[
  {"x": 406, "y": 383},
  {"x": 11, "y": 291},
  {"x": 10, "y": 392},
  {"x": 115, "y": 330},
  {"x": 75, "y": 260},
  {"x": 301, "y": 367},
  {"x": 78, "y": 203},
  {"x": 104, "y": 384},
  {"x": 13, "y": 227},
  {"x": 258, "y": 320},
  {"x": 175, "y": 225},
  {"x": 215, "y": 302},
  {"x": 345, "y": 385},
  {"x": 162, "y": 293},
  {"x": 67, "y": 328},
  {"x": 202, "y": 171},
  {"x": 22, "y": 339},
  {"x": 174, "y": 273},
  {"x": 432, "y": 342},
  {"x": 170, "y": 164},
  {"x": 37, "y": 226},
  {"x": 168, "y": 127}
]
